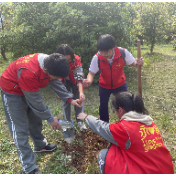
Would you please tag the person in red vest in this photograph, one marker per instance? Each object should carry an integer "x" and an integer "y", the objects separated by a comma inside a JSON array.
[
  {"x": 136, "y": 144},
  {"x": 73, "y": 82},
  {"x": 24, "y": 108},
  {"x": 110, "y": 60}
]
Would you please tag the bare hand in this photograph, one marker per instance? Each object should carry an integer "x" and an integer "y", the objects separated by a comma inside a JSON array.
[
  {"x": 82, "y": 97},
  {"x": 81, "y": 116},
  {"x": 58, "y": 97},
  {"x": 76, "y": 102},
  {"x": 140, "y": 61},
  {"x": 86, "y": 83},
  {"x": 55, "y": 124}
]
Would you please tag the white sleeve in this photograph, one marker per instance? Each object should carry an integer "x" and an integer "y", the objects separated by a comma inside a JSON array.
[
  {"x": 129, "y": 57},
  {"x": 94, "y": 65}
]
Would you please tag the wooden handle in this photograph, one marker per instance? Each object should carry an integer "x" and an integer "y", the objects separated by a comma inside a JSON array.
[{"x": 139, "y": 68}]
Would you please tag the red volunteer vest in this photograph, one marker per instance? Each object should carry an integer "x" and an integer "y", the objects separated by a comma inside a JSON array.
[
  {"x": 112, "y": 76},
  {"x": 9, "y": 81},
  {"x": 147, "y": 153},
  {"x": 72, "y": 68}
]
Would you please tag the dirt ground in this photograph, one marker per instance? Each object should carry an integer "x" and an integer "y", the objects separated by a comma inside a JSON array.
[{"x": 84, "y": 149}]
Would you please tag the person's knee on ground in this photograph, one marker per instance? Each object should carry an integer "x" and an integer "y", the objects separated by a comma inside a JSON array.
[{"x": 101, "y": 159}]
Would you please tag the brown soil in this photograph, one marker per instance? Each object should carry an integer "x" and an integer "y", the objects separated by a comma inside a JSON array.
[{"x": 84, "y": 149}]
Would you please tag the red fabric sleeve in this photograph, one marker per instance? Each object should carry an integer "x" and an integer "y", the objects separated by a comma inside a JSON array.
[
  {"x": 69, "y": 100},
  {"x": 79, "y": 81},
  {"x": 28, "y": 81},
  {"x": 119, "y": 134},
  {"x": 77, "y": 60}
]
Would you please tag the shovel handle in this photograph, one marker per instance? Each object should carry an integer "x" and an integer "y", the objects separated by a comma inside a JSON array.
[{"x": 139, "y": 68}]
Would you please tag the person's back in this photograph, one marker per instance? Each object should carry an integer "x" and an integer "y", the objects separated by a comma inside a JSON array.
[
  {"x": 10, "y": 82},
  {"x": 141, "y": 149}
]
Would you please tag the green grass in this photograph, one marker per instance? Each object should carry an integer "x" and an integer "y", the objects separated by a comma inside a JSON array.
[{"x": 159, "y": 95}]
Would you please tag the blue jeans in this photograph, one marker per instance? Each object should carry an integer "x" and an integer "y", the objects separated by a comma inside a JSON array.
[
  {"x": 101, "y": 159},
  {"x": 104, "y": 99}
]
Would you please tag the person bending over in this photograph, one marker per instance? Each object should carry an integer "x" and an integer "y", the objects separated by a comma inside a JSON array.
[{"x": 24, "y": 108}]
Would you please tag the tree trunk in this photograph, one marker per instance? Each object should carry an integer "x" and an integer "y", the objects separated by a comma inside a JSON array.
[
  {"x": 153, "y": 34},
  {"x": 2, "y": 47},
  {"x": 3, "y": 53}
]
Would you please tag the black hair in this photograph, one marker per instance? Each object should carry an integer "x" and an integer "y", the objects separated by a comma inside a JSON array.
[
  {"x": 105, "y": 42},
  {"x": 129, "y": 102},
  {"x": 57, "y": 65},
  {"x": 65, "y": 49}
]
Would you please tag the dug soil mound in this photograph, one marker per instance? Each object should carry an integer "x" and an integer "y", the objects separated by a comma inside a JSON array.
[{"x": 84, "y": 149}]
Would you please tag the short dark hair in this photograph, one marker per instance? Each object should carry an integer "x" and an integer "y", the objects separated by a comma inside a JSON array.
[
  {"x": 57, "y": 65},
  {"x": 105, "y": 42},
  {"x": 129, "y": 102},
  {"x": 65, "y": 49}
]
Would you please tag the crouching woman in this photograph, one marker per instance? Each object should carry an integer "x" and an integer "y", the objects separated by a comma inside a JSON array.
[{"x": 136, "y": 144}]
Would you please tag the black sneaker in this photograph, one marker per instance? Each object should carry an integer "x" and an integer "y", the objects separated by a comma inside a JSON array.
[
  {"x": 35, "y": 171},
  {"x": 48, "y": 148}
]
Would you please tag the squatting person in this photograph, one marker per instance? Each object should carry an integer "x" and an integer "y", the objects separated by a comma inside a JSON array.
[{"x": 136, "y": 144}]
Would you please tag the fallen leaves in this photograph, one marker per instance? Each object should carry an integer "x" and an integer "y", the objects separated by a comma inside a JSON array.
[{"x": 85, "y": 150}]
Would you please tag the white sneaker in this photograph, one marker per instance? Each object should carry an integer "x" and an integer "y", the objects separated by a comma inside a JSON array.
[{"x": 81, "y": 126}]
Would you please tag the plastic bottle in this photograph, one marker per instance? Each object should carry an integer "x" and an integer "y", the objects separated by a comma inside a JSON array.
[
  {"x": 65, "y": 124},
  {"x": 68, "y": 133}
]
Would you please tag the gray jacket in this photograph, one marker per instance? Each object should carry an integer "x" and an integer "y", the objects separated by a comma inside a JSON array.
[{"x": 102, "y": 128}]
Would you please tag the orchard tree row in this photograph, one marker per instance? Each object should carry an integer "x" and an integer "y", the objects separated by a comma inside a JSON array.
[{"x": 33, "y": 27}]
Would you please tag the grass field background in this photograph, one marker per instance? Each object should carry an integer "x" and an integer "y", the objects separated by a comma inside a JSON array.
[{"x": 159, "y": 95}]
